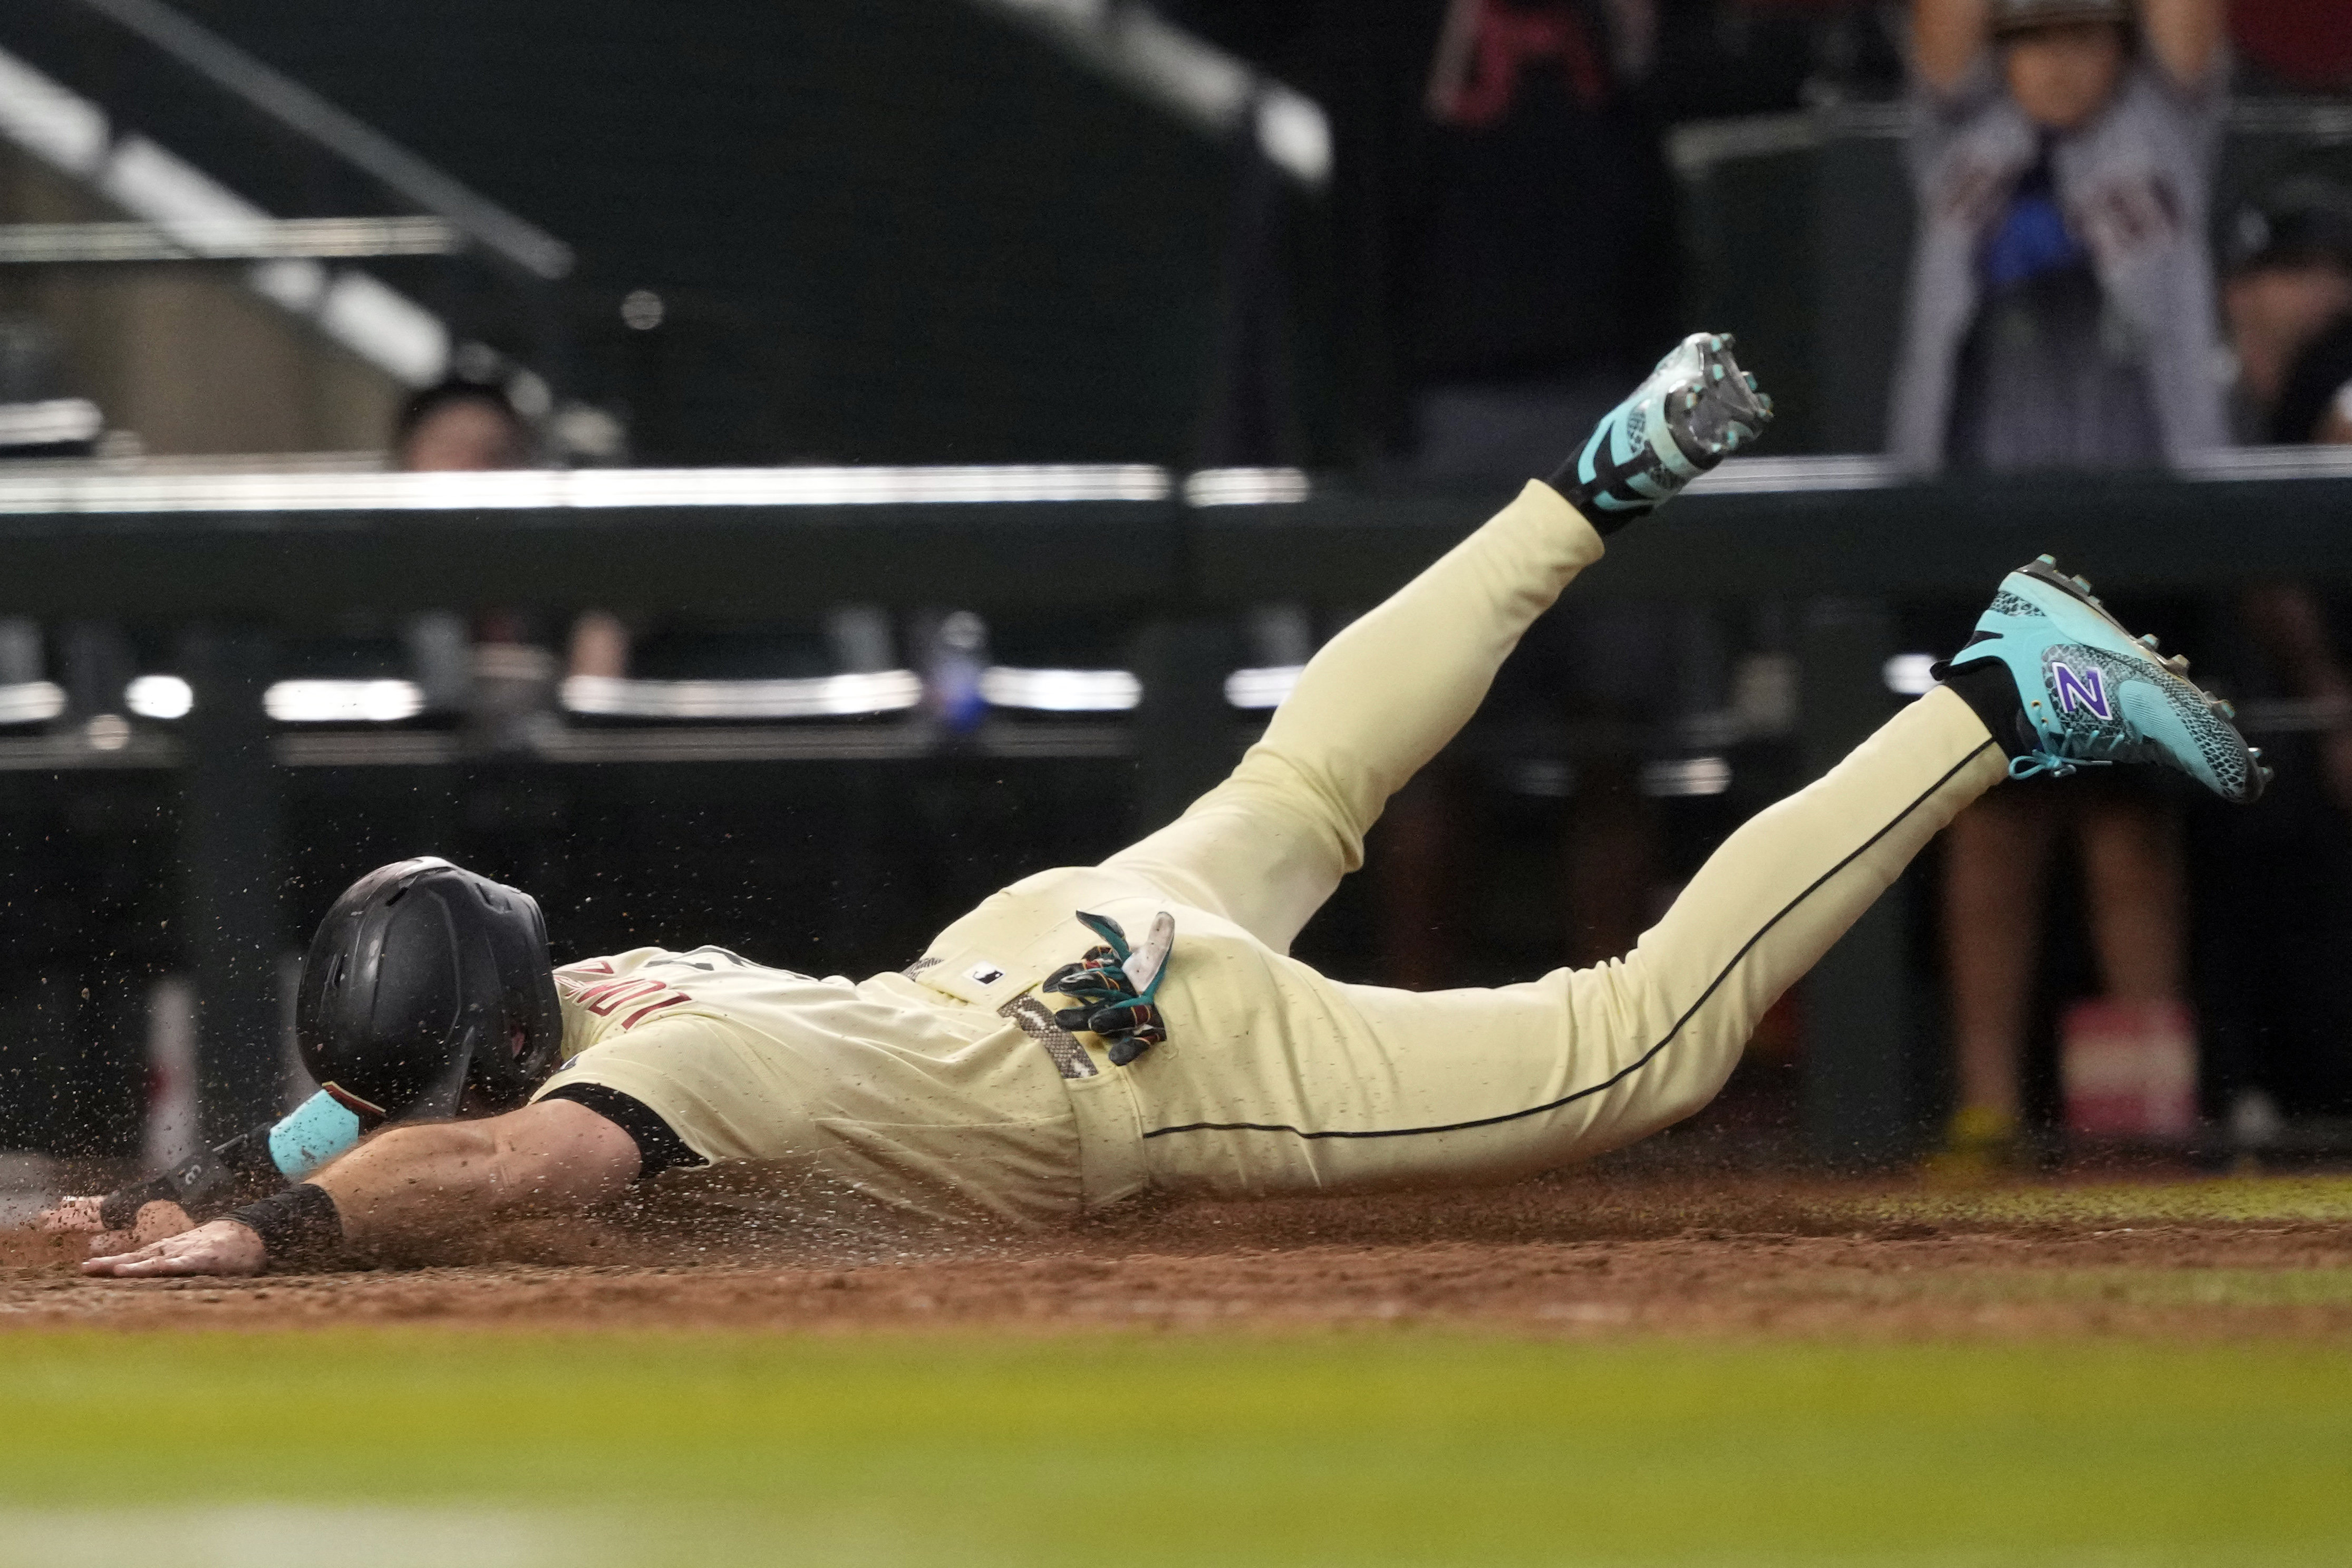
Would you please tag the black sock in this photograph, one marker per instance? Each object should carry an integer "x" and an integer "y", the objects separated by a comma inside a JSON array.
[
  {"x": 1603, "y": 520},
  {"x": 1991, "y": 692}
]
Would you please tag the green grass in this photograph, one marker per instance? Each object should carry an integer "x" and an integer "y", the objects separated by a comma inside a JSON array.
[
  {"x": 2250, "y": 1288},
  {"x": 1365, "y": 1448},
  {"x": 1339, "y": 1448},
  {"x": 2214, "y": 1200}
]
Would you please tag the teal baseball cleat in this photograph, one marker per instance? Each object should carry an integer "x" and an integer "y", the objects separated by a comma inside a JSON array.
[
  {"x": 1697, "y": 408},
  {"x": 2090, "y": 693}
]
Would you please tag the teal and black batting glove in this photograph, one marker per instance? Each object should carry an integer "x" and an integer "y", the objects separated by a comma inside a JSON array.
[
  {"x": 1697, "y": 409},
  {"x": 1116, "y": 986}
]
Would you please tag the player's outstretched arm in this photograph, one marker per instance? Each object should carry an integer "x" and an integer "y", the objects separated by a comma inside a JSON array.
[{"x": 411, "y": 1192}]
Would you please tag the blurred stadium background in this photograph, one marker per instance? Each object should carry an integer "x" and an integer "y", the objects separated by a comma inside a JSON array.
[{"x": 924, "y": 436}]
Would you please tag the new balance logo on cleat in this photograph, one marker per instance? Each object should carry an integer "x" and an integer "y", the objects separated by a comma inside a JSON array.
[{"x": 2086, "y": 690}]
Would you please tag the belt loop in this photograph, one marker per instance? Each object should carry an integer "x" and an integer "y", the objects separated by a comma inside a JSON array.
[{"x": 1111, "y": 1138}]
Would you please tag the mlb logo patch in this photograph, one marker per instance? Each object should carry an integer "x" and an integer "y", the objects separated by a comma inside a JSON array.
[
  {"x": 2080, "y": 691},
  {"x": 984, "y": 973}
]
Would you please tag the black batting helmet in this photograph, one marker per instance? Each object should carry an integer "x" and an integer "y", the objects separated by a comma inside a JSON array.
[{"x": 423, "y": 979}]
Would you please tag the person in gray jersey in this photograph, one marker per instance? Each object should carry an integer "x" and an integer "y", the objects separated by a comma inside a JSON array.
[
  {"x": 2061, "y": 306},
  {"x": 2062, "y": 314}
]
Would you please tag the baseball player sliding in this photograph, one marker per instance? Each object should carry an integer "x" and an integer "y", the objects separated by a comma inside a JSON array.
[{"x": 1096, "y": 1031}]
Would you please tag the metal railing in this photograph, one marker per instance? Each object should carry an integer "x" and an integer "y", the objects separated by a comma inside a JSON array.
[
  {"x": 215, "y": 157},
  {"x": 305, "y": 114},
  {"x": 270, "y": 239},
  {"x": 1181, "y": 73}
]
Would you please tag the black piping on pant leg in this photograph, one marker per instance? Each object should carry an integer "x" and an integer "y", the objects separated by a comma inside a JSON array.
[{"x": 1648, "y": 1055}]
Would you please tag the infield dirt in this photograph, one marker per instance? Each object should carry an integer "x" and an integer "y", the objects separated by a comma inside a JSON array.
[{"x": 1581, "y": 1256}]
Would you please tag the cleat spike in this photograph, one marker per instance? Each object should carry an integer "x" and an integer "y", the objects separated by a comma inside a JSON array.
[
  {"x": 2227, "y": 710},
  {"x": 2147, "y": 640},
  {"x": 2047, "y": 560}
]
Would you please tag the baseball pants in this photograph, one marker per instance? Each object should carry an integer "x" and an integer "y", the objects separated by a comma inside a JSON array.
[{"x": 1276, "y": 1079}]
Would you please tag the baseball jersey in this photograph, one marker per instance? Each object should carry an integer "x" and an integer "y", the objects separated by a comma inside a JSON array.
[{"x": 811, "y": 1094}]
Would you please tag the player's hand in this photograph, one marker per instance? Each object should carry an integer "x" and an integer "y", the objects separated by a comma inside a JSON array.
[{"x": 223, "y": 1246}]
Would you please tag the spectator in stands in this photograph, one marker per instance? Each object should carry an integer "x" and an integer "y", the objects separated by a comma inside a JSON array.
[
  {"x": 1544, "y": 268},
  {"x": 462, "y": 426},
  {"x": 2062, "y": 305},
  {"x": 1537, "y": 261},
  {"x": 2276, "y": 902},
  {"x": 2062, "y": 314},
  {"x": 2288, "y": 300}
]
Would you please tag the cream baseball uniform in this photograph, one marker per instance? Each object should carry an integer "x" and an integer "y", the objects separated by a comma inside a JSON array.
[{"x": 948, "y": 1089}]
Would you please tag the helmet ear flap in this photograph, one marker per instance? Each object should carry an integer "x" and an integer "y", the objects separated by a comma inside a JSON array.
[
  {"x": 498, "y": 1071},
  {"x": 541, "y": 1006},
  {"x": 444, "y": 1093},
  {"x": 542, "y": 1050}
]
